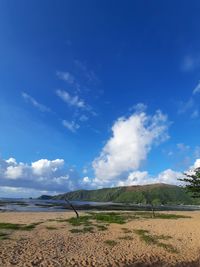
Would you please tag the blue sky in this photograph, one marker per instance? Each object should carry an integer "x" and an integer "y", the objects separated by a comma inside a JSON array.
[{"x": 97, "y": 93}]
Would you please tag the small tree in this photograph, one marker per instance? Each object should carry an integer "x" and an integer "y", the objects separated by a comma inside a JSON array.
[
  {"x": 150, "y": 201},
  {"x": 192, "y": 180},
  {"x": 70, "y": 204}
]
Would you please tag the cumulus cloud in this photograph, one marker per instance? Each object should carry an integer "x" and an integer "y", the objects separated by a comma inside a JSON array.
[
  {"x": 196, "y": 164},
  {"x": 46, "y": 167},
  {"x": 70, "y": 100},
  {"x": 71, "y": 125},
  {"x": 42, "y": 175},
  {"x": 135, "y": 178},
  {"x": 14, "y": 172},
  {"x": 132, "y": 139},
  {"x": 35, "y": 103},
  {"x": 86, "y": 180},
  {"x": 167, "y": 176}
]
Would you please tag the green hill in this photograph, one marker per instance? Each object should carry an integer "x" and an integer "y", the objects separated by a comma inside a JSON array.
[{"x": 158, "y": 193}]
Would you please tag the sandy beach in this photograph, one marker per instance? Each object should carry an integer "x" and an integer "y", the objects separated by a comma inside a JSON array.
[{"x": 51, "y": 243}]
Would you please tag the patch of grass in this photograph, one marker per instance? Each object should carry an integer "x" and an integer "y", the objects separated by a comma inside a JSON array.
[
  {"x": 170, "y": 216},
  {"x": 4, "y": 236},
  {"x": 10, "y": 226},
  {"x": 155, "y": 240},
  {"x": 14, "y": 226},
  {"x": 126, "y": 237},
  {"x": 168, "y": 247},
  {"x": 109, "y": 217},
  {"x": 110, "y": 243},
  {"x": 145, "y": 236},
  {"x": 51, "y": 228},
  {"x": 101, "y": 227},
  {"x": 88, "y": 229},
  {"x": 82, "y": 220},
  {"x": 148, "y": 215},
  {"x": 76, "y": 230},
  {"x": 84, "y": 230},
  {"x": 28, "y": 227}
]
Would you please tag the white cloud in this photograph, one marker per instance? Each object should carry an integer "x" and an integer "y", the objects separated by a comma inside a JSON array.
[
  {"x": 15, "y": 192},
  {"x": 132, "y": 139},
  {"x": 11, "y": 161},
  {"x": 191, "y": 105},
  {"x": 83, "y": 118},
  {"x": 71, "y": 100},
  {"x": 44, "y": 174},
  {"x": 35, "y": 103},
  {"x": 45, "y": 166},
  {"x": 66, "y": 76},
  {"x": 72, "y": 126},
  {"x": 135, "y": 178},
  {"x": 196, "y": 89},
  {"x": 14, "y": 172},
  {"x": 168, "y": 177},
  {"x": 139, "y": 107},
  {"x": 142, "y": 177},
  {"x": 86, "y": 179},
  {"x": 197, "y": 164}
]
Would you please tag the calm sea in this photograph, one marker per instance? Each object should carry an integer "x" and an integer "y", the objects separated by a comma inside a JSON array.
[{"x": 8, "y": 204}]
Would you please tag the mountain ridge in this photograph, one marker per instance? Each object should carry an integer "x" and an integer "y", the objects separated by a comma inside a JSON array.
[{"x": 159, "y": 193}]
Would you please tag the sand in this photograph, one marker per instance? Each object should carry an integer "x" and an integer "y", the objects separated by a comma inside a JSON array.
[{"x": 59, "y": 247}]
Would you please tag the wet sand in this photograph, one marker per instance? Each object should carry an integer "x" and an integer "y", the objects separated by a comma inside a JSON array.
[{"x": 60, "y": 248}]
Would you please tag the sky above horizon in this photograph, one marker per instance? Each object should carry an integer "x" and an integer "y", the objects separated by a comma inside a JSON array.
[{"x": 97, "y": 94}]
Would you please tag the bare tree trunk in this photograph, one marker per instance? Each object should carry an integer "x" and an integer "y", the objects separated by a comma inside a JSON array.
[
  {"x": 153, "y": 212},
  {"x": 70, "y": 204}
]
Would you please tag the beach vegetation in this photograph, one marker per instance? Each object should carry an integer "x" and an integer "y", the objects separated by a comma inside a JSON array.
[
  {"x": 155, "y": 240},
  {"x": 14, "y": 226},
  {"x": 109, "y": 217},
  {"x": 4, "y": 236},
  {"x": 83, "y": 230},
  {"x": 101, "y": 227},
  {"x": 126, "y": 237}
]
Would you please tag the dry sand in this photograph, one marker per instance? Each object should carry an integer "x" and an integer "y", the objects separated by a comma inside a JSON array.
[{"x": 59, "y": 247}]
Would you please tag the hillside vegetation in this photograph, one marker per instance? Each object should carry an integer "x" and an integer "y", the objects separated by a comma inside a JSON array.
[{"x": 158, "y": 193}]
